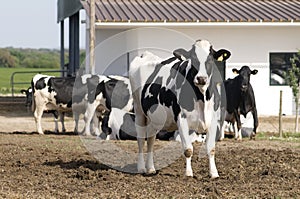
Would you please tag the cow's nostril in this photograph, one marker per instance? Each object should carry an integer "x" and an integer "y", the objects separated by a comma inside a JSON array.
[{"x": 201, "y": 80}]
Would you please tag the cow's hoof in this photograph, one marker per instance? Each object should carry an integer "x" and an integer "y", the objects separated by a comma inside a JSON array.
[
  {"x": 189, "y": 173},
  {"x": 151, "y": 171},
  {"x": 214, "y": 176},
  {"x": 252, "y": 136}
]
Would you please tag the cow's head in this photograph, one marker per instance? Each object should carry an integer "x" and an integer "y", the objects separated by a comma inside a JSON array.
[
  {"x": 28, "y": 94},
  {"x": 203, "y": 60},
  {"x": 244, "y": 77}
]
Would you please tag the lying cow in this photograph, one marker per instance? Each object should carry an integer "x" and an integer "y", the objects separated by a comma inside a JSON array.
[
  {"x": 240, "y": 100},
  {"x": 105, "y": 93},
  {"x": 120, "y": 125},
  {"x": 182, "y": 92}
]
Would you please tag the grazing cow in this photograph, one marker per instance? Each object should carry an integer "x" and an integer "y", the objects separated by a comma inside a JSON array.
[
  {"x": 51, "y": 93},
  {"x": 105, "y": 92},
  {"x": 240, "y": 100},
  {"x": 182, "y": 92}
]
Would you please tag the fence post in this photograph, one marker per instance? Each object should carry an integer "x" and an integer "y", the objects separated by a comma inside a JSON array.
[{"x": 280, "y": 114}]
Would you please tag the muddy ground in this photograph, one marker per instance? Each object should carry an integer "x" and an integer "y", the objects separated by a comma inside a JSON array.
[{"x": 63, "y": 166}]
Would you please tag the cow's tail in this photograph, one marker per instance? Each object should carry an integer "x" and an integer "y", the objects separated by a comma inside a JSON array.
[{"x": 32, "y": 98}]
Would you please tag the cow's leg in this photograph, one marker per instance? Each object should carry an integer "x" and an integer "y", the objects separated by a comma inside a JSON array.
[
  {"x": 88, "y": 115},
  {"x": 186, "y": 144},
  {"x": 238, "y": 134},
  {"x": 141, "y": 135},
  {"x": 55, "y": 114},
  {"x": 149, "y": 164},
  {"x": 210, "y": 149},
  {"x": 38, "y": 112},
  {"x": 255, "y": 122},
  {"x": 62, "y": 121},
  {"x": 76, "y": 119},
  {"x": 95, "y": 125}
]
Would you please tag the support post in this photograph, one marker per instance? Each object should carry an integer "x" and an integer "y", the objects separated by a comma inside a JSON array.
[
  {"x": 92, "y": 37},
  {"x": 62, "y": 47},
  {"x": 280, "y": 114}
]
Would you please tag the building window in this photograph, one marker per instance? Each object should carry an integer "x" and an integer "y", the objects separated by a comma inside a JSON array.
[{"x": 279, "y": 65}]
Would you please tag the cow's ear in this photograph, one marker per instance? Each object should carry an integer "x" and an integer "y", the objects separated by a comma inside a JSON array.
[
  {"x": 222, "y": 55},
  {"x": 181, "y": 54},
  {"x": 253, "y": 72},
  {"x": 235, "y": 71}
]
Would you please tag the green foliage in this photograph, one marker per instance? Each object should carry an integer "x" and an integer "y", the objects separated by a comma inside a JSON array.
[
  {"x": 5, "y": 81},
  {"x": 293, "y": 75},
  {"x": 33, "y": 58}
]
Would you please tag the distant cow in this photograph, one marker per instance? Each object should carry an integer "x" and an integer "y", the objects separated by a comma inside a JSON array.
[
  {"x": 182, "y": 92},
  {"x": 28, "y": 103},
  {"x": 105, "y": 93},
  {"x": 240, "y": 99},
  {"x": 51, "y": 93}
]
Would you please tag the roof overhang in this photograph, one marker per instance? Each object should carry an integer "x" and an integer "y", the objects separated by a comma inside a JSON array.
[{"x": 128, "y": 25}]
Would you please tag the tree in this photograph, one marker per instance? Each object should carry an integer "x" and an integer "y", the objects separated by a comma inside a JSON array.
[{"x": 293, "y": 80}]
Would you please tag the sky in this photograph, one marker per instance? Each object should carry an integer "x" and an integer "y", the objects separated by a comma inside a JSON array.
[{"x": 33, "y": 24}]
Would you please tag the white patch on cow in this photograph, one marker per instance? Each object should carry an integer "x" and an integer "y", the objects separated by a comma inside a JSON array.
[{"x": 202, "y": 50}]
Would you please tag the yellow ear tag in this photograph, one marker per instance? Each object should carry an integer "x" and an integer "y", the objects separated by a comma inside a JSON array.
[{"x": 220, "y": 58}]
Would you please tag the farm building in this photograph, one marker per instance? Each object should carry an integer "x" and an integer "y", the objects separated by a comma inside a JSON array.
[{"x": 262, "y": 34}]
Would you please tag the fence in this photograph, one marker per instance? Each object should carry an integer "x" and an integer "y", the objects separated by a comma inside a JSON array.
[{"x": 13, "y": 82}]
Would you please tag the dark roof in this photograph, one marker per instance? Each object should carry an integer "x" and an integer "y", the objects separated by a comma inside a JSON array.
[{"x": 195, "y": 10}]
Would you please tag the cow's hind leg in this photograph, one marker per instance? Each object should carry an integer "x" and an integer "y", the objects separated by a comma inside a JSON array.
[
  {"x": 141, "y": 135},
  {"x": 38, "y": 112},
  {"x": 62, "y": 121},
  {"x": 149, "y": 164}
]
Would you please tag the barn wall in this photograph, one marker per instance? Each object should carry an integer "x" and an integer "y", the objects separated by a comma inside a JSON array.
[{"x": 248, "y": 45}]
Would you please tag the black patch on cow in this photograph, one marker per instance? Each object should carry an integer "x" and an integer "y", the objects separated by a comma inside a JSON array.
[
  {"x": 92, "y": 84},
  {"x": 116, "y": 93},
  {"x": 64, "y": 88},
  {"x": 80, "y": 90},
  {"x": 40, "y": 84},
  {"x": 127, "y": 130}
]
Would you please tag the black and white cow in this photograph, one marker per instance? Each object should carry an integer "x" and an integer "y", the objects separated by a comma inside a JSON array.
[
  {"x": 105, "y": 92},
  {"x": 182, "y": 92},
  {"x": 240, "y": 100},
  {"x": 28, "y": 103},
  {"x": 120, "y": 125},
  {"x": 51, "y": 93}
]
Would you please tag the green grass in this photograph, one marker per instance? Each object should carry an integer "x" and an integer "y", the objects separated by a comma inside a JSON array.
[
  {"x": 286, "y": 136},
  {"x": 6, "y": 73}
]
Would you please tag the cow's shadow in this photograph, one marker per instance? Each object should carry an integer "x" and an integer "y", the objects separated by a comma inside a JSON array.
[{"x": 76, "y": 164}]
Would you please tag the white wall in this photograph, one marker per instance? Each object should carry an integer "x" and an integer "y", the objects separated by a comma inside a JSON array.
[{"x": 248, "y": 45}]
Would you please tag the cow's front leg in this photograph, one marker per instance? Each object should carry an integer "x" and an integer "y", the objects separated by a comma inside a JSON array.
[
  {"x": 186, "y": 144},
  {"x": 238, "y": 131},
  {"x": 210, "y": 149},
  {"x": 88, "y": 116}
]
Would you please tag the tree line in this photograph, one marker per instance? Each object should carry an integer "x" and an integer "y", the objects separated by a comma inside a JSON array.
[{"x": 32, "y": 58}]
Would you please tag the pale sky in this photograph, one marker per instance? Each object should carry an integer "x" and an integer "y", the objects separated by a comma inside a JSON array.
[{"x": 33, "y": 24}]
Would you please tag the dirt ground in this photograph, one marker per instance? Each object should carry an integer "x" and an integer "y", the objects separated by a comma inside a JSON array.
[{"x": 66, "y": 166}]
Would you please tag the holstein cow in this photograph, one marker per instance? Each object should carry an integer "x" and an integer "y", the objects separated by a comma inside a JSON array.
[
  {"x": 51, "y": 93},
  {"x": 240, "y": 100},
  {"x": 182, "y": 92},
  {"x": 104, "y": 93},
  {"x": 28, "y": 103}
]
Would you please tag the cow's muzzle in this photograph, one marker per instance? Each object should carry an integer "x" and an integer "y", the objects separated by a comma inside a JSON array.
[
  {"x": 200, "y": 80},
  {"x": 244, "y": 88}
]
